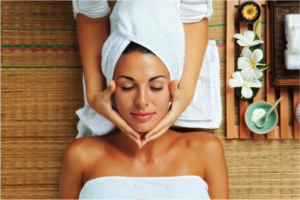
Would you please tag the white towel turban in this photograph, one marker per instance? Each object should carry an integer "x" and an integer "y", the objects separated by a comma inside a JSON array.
[{"x": 163, "y": 34}]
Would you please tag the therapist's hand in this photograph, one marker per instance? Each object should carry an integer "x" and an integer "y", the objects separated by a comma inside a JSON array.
[
  {"x": 101, "y": 103},
  {"x": 180, "y": 101}
]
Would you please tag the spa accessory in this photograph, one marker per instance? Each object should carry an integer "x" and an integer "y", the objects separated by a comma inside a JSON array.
[
  {"x": 166, "y": 39},
  {"x": 271, "y": 122},
  {"x": 124, "y": 187},
  {"x": 293, "y": 42},
  {"x": 291, "y": 61},
  {"x": 262, "y": 121},
  {"x": 297, "y": 112},
  {"x": 292, "y": 34},
  {"x": 249, "y": 12},
  {"x": 290, "y": 21}
]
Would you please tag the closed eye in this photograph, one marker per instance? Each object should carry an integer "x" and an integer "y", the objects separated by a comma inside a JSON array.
[
  {"x": 153, "y": 88},
  {"x": 125, "y": 88},
  {"x": 156, "y": 88}
]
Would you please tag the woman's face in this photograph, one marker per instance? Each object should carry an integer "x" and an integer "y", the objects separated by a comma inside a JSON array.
[{"x": 142, "y": 95}]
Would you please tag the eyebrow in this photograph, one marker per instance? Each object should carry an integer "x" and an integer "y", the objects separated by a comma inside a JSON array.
[{"x": 131, "y": 79}]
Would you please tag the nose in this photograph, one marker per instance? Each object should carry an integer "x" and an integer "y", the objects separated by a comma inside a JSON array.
[{"x": 142, "y": 98}]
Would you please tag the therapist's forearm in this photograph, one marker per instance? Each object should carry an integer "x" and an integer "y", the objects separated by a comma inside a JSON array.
[
  {"x": 92, "y": 33},
  {"x": 196, "y": 39}
]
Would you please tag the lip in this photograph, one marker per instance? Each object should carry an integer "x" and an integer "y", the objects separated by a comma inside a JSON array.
[{"x": 142, "y": 116}]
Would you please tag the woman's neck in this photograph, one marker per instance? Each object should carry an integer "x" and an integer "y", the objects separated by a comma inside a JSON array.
[{"x": 149, "y": 152}]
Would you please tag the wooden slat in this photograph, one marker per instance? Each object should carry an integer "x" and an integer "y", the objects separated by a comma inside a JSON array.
[
  {"x": 284, "y": 113},
  {"x": 258, "y": 96},
  {"x": 289, "y": 131},
  {"x": 229, "y": 69},
  {"x": 236, "y": 131},
  {"x": 236, "y": 2},
  {"x": 270, "y": 91},
  {"x": 276, "y": 131},
  {"x": 296, "y": 99},
  {"x": 244, "y": 130}
]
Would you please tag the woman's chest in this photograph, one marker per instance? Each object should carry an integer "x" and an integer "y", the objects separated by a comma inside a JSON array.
[{"x": 173, "y": 164}]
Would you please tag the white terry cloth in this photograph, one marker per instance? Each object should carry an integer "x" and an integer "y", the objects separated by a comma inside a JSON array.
[
  {"x": 206, "y": 85},
  {"x": 195, "y": 10},
  {"x": 165, "y": 37},
  {"x": 290, "y": 20},
  {"x": 293, "y": 42},
  {"x": 126, "y": 187},
  {"x": 163, "y": 34},
  {"x": 292, "y": 61},
  {"x": 92, "y": 9},
  {"x": 190, "y": 10}
]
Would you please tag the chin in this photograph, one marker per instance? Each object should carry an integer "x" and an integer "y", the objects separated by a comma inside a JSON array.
[{"x": 142, "y": 128}]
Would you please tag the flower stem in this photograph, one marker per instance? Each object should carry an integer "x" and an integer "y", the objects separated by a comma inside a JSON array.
[
  {"x": 256, "y": 26},
  {"x": 265, "y": 68},
  {"x": 266, "y": 64}
]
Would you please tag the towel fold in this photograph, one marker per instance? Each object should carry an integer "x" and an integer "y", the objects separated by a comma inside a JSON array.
[
  {"x": 292, "y": 34},
  {"x": 293, "y": 43},
  {"x": 292, "y": 61},
  {"x": 290, "y": 21},
  {"x": 163, "y": 35}
]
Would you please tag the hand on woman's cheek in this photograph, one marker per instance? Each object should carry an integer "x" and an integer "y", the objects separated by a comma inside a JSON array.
[{"x": 142, "y": 94}]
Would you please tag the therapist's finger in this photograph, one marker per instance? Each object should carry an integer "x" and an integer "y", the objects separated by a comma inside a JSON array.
[
  {"x": 158, "y": 134},
  {"x": 167, "y": 121},
  {"x": 116, "y": 119}
]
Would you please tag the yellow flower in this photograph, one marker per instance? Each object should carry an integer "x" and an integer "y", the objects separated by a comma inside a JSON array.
[{"x": 250, "y": 11}]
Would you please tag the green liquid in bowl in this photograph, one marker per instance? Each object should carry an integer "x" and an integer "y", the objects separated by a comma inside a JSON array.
[{"x": 270, "y": 123}]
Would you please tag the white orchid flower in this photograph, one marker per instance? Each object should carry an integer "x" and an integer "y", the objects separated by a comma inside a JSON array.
[
  {"x": 248, "y": 62},
  {"x": 238, "y": 81},
  {"x": 247, "y": 39}
]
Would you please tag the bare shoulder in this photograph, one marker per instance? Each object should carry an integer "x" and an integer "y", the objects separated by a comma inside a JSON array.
[
  {"x": 85, "y": 148},
  {"x": 201, "y": 139},
  {"x": 207, "y": 143}
]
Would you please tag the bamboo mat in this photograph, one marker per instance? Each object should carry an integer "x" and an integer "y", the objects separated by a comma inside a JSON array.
[{"x": 41, "y": 88}]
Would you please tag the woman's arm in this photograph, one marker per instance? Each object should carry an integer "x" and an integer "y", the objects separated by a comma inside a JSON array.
[
  {"x": 216, "y": 173},
  {"x": 92, "y": 33},
  {"x": 196, "y": 39}
]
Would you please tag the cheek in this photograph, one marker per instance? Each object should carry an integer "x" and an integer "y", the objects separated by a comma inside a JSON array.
[
  {"x": 161, "y": 100},
  {"x": 122, "y": 100}
]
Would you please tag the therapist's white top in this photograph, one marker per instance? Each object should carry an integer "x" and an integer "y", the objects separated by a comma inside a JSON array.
[
  {"x": 190, "y": 10},
  {"x": 123, "y": 187}
]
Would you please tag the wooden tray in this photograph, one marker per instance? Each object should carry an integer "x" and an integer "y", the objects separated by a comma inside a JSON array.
[
  {"x": 280, "y": 76},
  {"x": 284, "y": 131}
]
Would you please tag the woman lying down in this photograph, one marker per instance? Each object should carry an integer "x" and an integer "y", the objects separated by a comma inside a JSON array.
[{"x": 142, "y": 61}]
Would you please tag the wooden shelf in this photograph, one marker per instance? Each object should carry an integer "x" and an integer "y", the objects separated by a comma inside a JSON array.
[{"x": 284, "y": 131}]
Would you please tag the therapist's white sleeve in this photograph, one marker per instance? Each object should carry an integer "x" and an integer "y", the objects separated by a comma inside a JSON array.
[
  {"x": 92, "y": 9},
  {"x": 195, "y": 10},
  {"x": 190, "y": 10}
]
